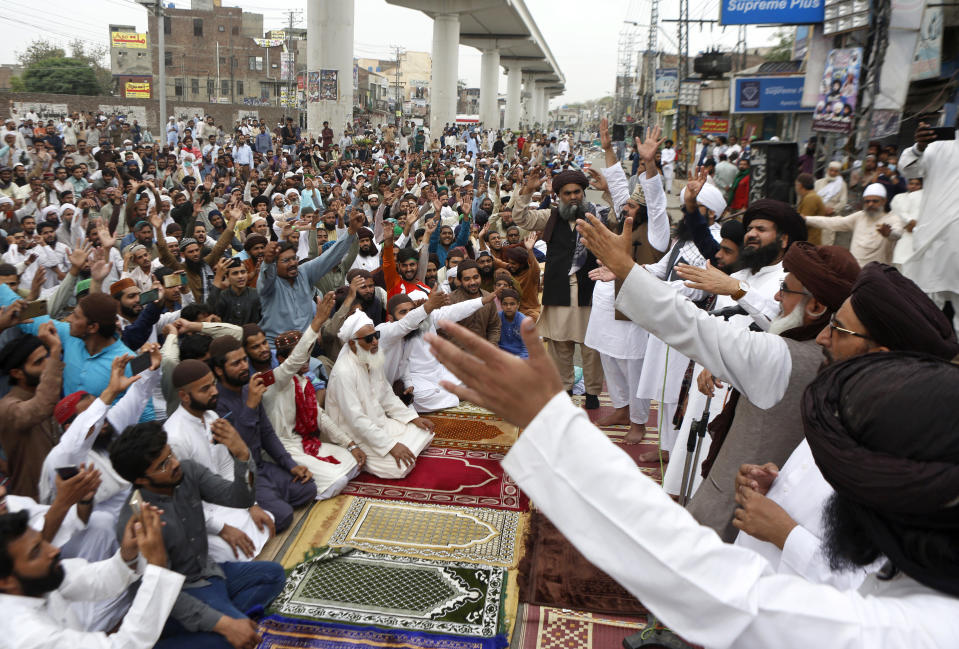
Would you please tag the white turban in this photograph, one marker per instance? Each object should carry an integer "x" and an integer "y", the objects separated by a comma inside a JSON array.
[
  {"x": 709, "y": 196},
  {"x": 166, "y": 199},
  {"x": 275, "y": 196},
  {"x": 6, "y": 199},
  {"x": 875, "y": 189},
  {"x": 353, "y": 324},
  {"x": 292, "y": 190},
  {"x": 64, "y": 207},
  {"x": 48, "y": 210}
]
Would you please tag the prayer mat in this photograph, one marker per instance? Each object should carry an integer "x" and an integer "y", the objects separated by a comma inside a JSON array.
[
  {"x": 471, "y": 411},
  {"x": 491, "y": 536},
  {"x": 542, "y": 627},
  {"x": 282, "y": 633},
  {"x": 471, "y": 429},
  {"x": 355, "y": 587},
  {"x": 448, "y": 476},
  {"x": 554, "y": 573},
  {"x": 467, "y": 445}
]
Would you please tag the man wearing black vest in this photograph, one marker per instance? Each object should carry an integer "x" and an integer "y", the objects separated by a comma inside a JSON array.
[{"x": 567, "y": 288}]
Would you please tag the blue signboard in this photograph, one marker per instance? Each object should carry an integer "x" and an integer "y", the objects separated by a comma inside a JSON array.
[
  {"x": 766, "y": 12},
  {"x": 768, "y": 95}
]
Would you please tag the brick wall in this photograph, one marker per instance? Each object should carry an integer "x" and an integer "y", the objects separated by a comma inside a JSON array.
[{"x": 224, "y": 114}]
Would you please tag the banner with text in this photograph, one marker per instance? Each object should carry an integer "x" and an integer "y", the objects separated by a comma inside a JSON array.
[
  {"x": 927, "y": 61},
  {"x": 313, "y": 87},
  {"x": 138, "y": 89},
  {"x": 767, "y": 95},
  {"x": 329, "y": 87},
  {"x": 128, "y": 39},
  {"x": 768, "y": 12},
  {"x": 838, "y": 91},
  {"x": 667, "y": 83}
]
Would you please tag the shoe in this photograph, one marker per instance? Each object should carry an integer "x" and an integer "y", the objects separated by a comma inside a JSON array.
[{"x": 592, "y": 402}]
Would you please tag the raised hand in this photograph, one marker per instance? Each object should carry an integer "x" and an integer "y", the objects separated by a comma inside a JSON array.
[
  {"x": 597, "y": 180},
  {"x": 324, "y": 307},
  {"x": 615, "y": 251},
  {"x": 694, "y": 185},
  {"x": 79, "y": 256},
  {"x": 604, "y": 138}
]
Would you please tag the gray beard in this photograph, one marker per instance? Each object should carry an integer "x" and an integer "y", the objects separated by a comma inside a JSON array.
[
  {"x": 571, "y": 211},
  {"x": 784, "y": 323}
]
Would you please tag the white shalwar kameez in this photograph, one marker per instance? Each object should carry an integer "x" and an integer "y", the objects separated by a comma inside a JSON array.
[
  {"x": 761, "y": 304},
  {"x": 279, "y": 400},
  {"x": 425, "y": 371},
  {"x": 711, "y": 593},
  {"x": 395, "y": 347},
  {"x": 934, "y": 264},
  {"x": 190, "y": 438},
  {"x": 906, "y": 206},
  {"x": 363, "y": 405},
  {"x": 668, "y": 158}
]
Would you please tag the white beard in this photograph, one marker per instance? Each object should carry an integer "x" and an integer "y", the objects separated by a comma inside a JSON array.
[
  {"x": 373, "y": 361},
  {"x": 786, "y": 322}
]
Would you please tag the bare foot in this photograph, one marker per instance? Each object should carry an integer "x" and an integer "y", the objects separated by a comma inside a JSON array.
[
  {"x": 653, "y": 456},
  {"x": 618, "y": 417},
  {"x": 636, "y": 433}
]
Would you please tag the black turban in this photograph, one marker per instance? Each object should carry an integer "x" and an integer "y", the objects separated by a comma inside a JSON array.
[
  {"x": 734, "y": 231},
  {"x": 785, "y": 217},
  {"x": 569, "y": 177},
  {"x": 16, "y": 352},
  {"x": 517, "y": 254},
  {"x": 828, "y": 272},
  {"x": 898, "y": 315},
  {"x": 880, "y": 429},
  {"x": 188, "y": 371}
]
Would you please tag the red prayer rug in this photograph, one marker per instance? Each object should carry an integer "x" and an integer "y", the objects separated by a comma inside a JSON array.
[
  {"x": 448, "y": 476},
  {"x": 543, "y": 627}
]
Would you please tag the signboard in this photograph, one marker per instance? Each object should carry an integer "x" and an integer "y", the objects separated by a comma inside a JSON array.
[
  {"x": 767, "y": 12},
  {"x": 838, "y": 91},
  {"x": 926, "y": 62},
  {"x": 313, "y": 87},
  {"x": 767, "y": 95},
  {"x": 286, "y": 64},
  {"x": 128, "y": 40},
  {"x": 277, "y": 34},
  {"x": 667, "y": 83},
  {"x": 138, "y": 89},
  {"x": 40, "y": 110},
  {"x": 268, "y": 42},
  {"x": 714, "y": 125},
  {"x": 329, "y": 86},
  {"x": 662, "y": 105},
  {"x": 129, "y": 113},
  {"x": 884, "y": 123},
  {"x": 801, "y": 41}
]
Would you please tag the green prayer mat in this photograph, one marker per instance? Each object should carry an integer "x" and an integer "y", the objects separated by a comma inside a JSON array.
[{"x": 355, "y": 587}]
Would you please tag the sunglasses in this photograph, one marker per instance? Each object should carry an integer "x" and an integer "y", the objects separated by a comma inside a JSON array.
[
  {"x": 369, "y": 338},
  {"x": 834, "y": 326}
]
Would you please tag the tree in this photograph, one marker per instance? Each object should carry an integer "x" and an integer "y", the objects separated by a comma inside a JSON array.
[
  {"x": 37, "y": 51},
  {"x": 61, "y": 75},
  {"x": 785, "y": 38}
]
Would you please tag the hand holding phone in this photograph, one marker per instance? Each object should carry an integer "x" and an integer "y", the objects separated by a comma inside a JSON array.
[{"x": 149, "y": 296}]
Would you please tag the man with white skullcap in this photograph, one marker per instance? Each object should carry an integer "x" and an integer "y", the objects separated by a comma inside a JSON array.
[
  {"x": 362, "y": 404},
  {"x": 874, "y": 231}
]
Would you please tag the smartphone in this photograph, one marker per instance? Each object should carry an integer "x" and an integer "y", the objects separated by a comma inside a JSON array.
[
  {"x": 34, "y": 310},
  {"x": 140, "y": 363},
  {"x": 149, "y": 296},
  {"x": 268, "y": 378},
  {"x": 172, "y": 281},
  {"x": 136, "y": 503},
  {"x": 67, "y": 472},
  {"x": 944, "y": 133}
]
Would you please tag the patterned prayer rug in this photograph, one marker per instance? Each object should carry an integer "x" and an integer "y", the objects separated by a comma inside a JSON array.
[
  {"x": 542, "y": 627},
  {"x": 554, "y": 573},
  {"x": 282, "y": 633},
  {"x": 472, "y": 429},
  {"x": 479, "y": 534},
  {"x": 355, "y": 587},
  {"x": 448, "y": 476},
  {"x": 467, "y": 445},
  {"x": 470, "y": 411}
]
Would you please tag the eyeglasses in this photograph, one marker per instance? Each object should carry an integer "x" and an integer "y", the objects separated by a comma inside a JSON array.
[
  {"x": 834, "y": 326},
  {"x": 369, "y": 338},
  {"x": 784, "y": 289},
  {"x": 165, "y": 464}
]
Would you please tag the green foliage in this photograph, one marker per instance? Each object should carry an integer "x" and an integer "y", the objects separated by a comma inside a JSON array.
[
  {"x": 62, "y": 75},
  {"x": 16, "y": 84},
  {"x": 782, "y": 50}
]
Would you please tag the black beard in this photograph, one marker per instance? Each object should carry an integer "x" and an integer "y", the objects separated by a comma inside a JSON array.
[
  {"x": 846, "y": 542},
  {"x": 758, "y": 258},
  {"x": 571, "y": 211},
  {"x": 329, "y": 226},
  {"x": 40, "y": 586},
  {"x": 129, "y": 312},
  {"x": 201, "y": 406},
  {"x": 485, "y": 273},
  {"x": 194, "y": 266},
  {"x": 237, "y": 381},
  {"x": 29, "y": 380},
  {"x": 368, "y": 251}
]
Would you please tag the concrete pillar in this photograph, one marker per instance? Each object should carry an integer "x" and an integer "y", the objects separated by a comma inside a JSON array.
[
  {"x": 514, "y": 96},
  {"x": 526, "y": 115},
  {"x": 330, "y": 47},
  {"x": 489, "y": 89},
  {"x": 446, "y": 41},
  {"x": 544, "y": 107}
]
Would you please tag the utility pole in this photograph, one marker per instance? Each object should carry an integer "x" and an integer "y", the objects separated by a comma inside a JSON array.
[
  {"x": 650, "y": 67},
  {"x": 155, "y": 7},
  {"x": 293, "y": 15},
  {"x": 398, "y": 53}
]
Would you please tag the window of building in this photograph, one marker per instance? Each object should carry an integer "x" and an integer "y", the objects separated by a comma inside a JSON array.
[
  {"x": 239, "y": 88},
  {"x": 235, "y": 31},
  {"x": 210, "y": 87},
  {"x": 256, "y": 63},
  {"x": 178, "y": 87},
  {"x": 198, "y": 27},
  {"x": 167, "y": 25},
  {"x": 225, "y": 87},
  {"x": 195, "y": 87},
  {"x": 220, "y": 28},
  {"x": 222, "y": 60},
  {"x": 168, "y": 58}
]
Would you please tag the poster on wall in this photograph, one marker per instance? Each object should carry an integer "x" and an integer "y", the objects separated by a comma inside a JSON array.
[
  {"x": 667, "y": 83},
  {"x": 40, "y": 110},
  {"x": 137, "y": 89},
  {"x": 329, "y": 89},
  {"x": 884, "y": 123},
  {"x": 313, "y": 87},
  {"x": 926, "y": 62},
  {"x": 838, "y": 91}
]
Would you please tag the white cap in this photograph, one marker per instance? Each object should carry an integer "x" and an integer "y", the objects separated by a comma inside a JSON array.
[{"x": 875, "y": 189}]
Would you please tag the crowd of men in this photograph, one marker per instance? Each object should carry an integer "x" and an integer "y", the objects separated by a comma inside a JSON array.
[{"x": 200, "y": 334}]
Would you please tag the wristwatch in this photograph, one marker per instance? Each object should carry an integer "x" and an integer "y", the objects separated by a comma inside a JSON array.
[
  {"x": 352, "y": 446},
  {"x": 741, "y": 293}
]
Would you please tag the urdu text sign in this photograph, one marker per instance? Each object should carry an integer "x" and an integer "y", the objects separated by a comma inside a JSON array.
[{"x": 765, "y": 12}]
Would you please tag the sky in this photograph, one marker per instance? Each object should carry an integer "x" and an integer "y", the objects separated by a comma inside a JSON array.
[{"x": 584, "y": 44}]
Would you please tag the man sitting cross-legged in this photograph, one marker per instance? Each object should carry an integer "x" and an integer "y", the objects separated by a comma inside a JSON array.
[
  {"x": 361, "y": 402},
  {"x": 212, "y": 607}
]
